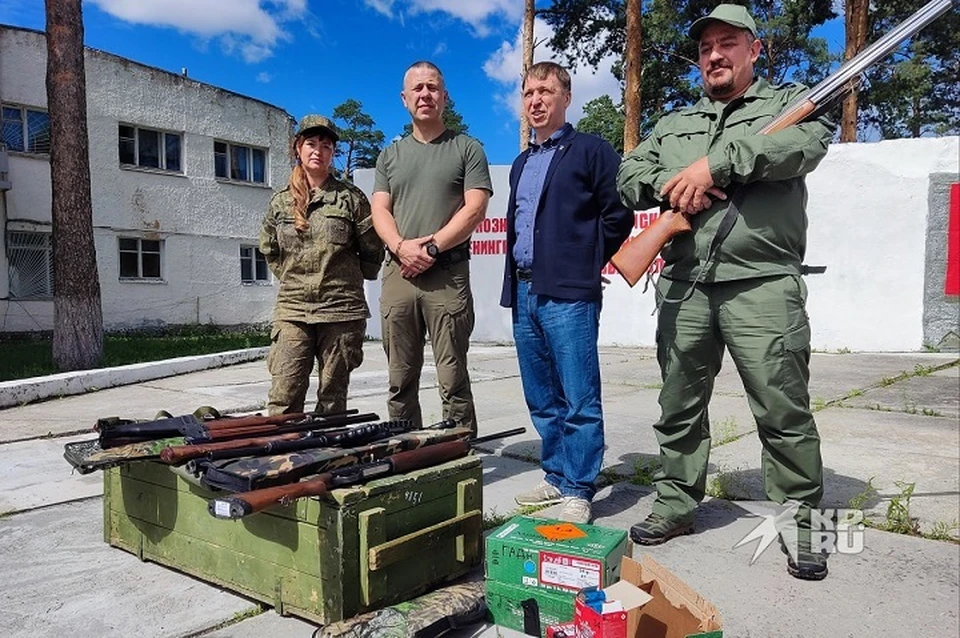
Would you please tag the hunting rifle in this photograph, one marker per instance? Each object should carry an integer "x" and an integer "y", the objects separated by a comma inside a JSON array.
[
  {"x": 290, "y": 442},
  {"x": 194, "y": 428},
  {"x": 636, "y": 255},
  {"x": 243, "y": 504}
]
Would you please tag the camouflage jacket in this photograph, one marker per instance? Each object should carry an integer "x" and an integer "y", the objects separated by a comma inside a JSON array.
[{"x": 321, "y": 270}]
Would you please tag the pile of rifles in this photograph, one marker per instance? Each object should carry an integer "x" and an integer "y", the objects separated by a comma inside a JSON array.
[{"x": 255, "y": 462}]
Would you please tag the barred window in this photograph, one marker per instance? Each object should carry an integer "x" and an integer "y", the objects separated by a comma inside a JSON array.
[
  {"x": 253, "y": 265},
  {"x": 239, "y": 163},
  {"x": 25, "y": 129},
  {"x": 140, "y": 258},
  {"x": 149, "y": 148},
  {"x": 30, "y": 257}
]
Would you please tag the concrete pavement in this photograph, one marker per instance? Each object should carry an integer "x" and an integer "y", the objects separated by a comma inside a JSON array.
[{"x": 886, "y": 420}]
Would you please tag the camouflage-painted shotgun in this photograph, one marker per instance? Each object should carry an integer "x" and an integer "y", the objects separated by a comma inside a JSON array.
[{"x": 244, "y": 504}]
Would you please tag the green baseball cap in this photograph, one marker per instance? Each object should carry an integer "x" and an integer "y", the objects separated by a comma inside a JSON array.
[
  {"x": 732, "y": 14},
  {"x": 309, "y": 124}
]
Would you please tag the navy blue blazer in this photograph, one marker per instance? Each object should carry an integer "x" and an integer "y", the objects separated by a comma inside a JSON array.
[{"x": 580, "y": 221}]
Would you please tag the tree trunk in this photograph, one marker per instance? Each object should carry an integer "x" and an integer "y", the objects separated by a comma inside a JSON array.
[
  {"x": 529, "y": 14},
  {"x": 632, "y": 70},
  {"x": 857, "y": 12},
  {"x": 77, "y": 316}
]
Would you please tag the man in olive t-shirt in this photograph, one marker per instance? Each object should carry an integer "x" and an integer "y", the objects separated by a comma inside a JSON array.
[{"x": 431, "y": 191}]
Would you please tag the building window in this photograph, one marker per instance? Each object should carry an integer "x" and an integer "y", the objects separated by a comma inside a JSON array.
[
  {"x": 253, "y": 265},
  {"x": 25, "y": 129},
  {"x": 148, "y": 148},
  {"x": 140, "y": 258},
  {"x": 30, "y": 258},
  {"x": 240, "y": 163}
]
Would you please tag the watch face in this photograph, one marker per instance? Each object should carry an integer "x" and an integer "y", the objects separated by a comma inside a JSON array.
[{"x": 432, "y": 249}]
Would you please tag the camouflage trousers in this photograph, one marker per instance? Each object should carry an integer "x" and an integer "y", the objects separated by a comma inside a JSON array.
[
  {"x": 337, "y": 348},
  {"x": 437, "y": 303}
]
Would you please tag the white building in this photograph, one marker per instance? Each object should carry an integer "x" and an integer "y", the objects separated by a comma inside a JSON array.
[{"x": 181, "y": 174}]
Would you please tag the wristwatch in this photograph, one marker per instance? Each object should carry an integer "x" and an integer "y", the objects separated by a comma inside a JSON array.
[{"x": 432, "y": 249}]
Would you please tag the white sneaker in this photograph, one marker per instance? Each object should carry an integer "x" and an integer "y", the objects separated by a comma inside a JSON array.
[
  {"x": 542, "y": 494},
  {"x": 575, "y": 510}
]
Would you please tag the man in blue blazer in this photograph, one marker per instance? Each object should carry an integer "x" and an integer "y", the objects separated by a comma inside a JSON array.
[{"x": 564, "y": 222}]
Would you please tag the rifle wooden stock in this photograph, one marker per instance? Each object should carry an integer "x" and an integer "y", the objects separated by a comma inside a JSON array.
[
  {"x": 240, "y": 505},
  {"x": 637, "y": 254},
  {"x": 179, "y": 454}
]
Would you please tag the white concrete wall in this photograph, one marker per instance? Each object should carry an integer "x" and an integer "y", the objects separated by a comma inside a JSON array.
[
  {"x": 868, "y": 211},
  {"x": 201, "y": 220}
]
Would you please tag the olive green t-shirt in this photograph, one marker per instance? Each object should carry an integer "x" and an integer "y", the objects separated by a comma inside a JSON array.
[{"x": 426, "y": 181}]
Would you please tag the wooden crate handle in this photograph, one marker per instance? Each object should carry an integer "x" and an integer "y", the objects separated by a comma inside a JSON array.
[{"x": 422, "y": 541}]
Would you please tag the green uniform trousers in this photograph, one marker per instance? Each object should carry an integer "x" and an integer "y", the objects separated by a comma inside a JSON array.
[
  {"x": 437, "y": 303},
  {"x": 338, "y": 349},
  {"x": 764, "y": 323}
]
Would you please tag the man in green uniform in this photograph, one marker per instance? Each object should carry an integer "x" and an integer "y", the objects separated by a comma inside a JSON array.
[
  {"x": 748, "y": 296},
  {"x": 431, "y": 191},
  {"x": 318, "y": 240}
]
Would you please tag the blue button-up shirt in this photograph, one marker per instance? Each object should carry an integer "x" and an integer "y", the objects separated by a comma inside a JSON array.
[{"x": 529, "y": 189}]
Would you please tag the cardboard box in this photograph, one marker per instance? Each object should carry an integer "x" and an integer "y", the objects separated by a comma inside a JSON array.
[
  {"x": 324, "y": 559},
  {"x": 621, "y": 598},
  {"x": 675, "y": 610},
  {"x": 542, "y": 562},
  {"x": 545, "y": 554}
]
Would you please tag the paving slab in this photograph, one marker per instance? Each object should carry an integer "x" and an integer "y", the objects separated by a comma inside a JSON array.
[
  {"x": 60, "y": 579},
  {"x": 268, "y": 624},
  {"x": 864, "y": 448},
  {"x": 935, "y": 395},
  {"x": 897, "y": 581},
  {"x": 34, "y": 474}
]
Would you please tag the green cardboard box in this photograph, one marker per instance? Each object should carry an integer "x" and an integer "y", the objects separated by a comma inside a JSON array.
[
  {"x": 546, "y": 554},
  {"x": 547, "y": 561},
  {"x": 509, "y": 604}
]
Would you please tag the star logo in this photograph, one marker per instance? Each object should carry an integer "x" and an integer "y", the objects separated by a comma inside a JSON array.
[{"x": 777, "y": 520}]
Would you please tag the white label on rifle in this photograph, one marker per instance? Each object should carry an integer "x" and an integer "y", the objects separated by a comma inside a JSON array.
[{"x": 221, "y": 509}]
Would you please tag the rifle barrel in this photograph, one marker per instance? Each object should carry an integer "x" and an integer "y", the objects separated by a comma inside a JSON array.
[{"x": 244, "y": 504}]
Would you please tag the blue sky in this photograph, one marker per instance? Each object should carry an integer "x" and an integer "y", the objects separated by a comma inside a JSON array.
[{"x": 307, "y": 56}]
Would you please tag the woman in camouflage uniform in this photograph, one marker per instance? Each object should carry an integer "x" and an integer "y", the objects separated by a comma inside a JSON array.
[{"x": 320, "y": 244}]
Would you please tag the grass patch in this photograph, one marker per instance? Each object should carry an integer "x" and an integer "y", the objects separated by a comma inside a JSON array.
[
  {"x": 724, "y": 432},
  {"x": 643, "y": 471},
  {"x": 943, "y": 531},
  {"x": 22, "y": 357},
  {"x": 724, "y": 484}
]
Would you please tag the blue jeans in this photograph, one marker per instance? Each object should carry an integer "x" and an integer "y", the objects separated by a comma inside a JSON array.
[{"x": 556, "y": 344}]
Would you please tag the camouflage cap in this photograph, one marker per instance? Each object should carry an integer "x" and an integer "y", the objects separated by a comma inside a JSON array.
[
  {"x": 310, "y": 122},
  {"x": 732, "y": 14}
]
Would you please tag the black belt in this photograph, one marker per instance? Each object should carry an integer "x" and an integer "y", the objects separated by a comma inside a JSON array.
[{"x": 524, "y": 274}]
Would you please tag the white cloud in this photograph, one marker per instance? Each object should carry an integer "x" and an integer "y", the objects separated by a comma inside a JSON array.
[
  {"x": 475, "y": 13},
  {"x": 505, "y": 64},
  {"x": 251, "y": 28},
  {"x": 264, "y": 77},
  {"x": 381, "y": 6}
]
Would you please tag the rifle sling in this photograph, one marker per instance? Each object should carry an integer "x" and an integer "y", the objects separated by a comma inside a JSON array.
[{"x": 723, "y": 230}]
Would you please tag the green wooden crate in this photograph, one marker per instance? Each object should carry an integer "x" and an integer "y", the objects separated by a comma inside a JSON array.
[{"x": 327, "y": 559}]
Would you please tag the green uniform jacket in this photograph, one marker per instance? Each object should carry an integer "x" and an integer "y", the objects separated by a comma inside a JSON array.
[
  {"x": 321, "y": 270},
  {"x": 769, "y": 238}
]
